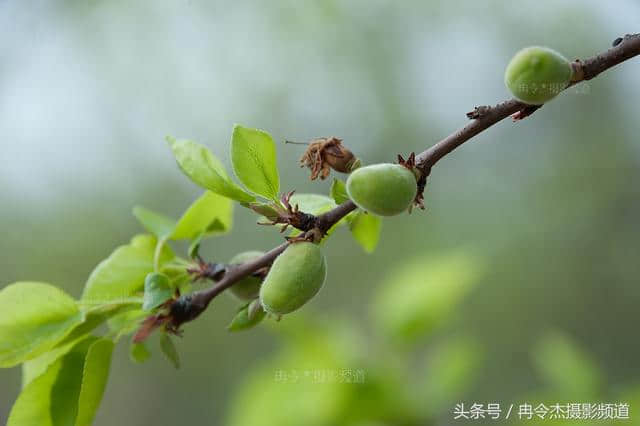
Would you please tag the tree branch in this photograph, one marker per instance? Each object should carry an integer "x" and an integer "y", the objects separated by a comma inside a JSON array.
[
  {"x": 486, "y": 116},
  {"x": 201, "y": 299},
  {"x": 482, "y": 118}
]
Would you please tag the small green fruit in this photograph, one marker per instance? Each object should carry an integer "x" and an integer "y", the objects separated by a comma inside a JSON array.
[
  {"x": 294, "y": 278},
  {"x": 249, "y": 287},
  {"x": 536, "y": 75},
  {"x": 382, "y": 189}
]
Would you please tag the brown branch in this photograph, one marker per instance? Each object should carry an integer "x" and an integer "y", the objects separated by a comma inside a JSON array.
[
  {"x": 330, "y": 218},
  {"x": 486, "y": 116},
  {"x": 199, "y": 301},
  {"x": 483, "y": 118}
]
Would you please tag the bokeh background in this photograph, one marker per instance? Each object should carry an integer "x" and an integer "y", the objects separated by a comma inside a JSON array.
[{"x": 547, "y": 208}]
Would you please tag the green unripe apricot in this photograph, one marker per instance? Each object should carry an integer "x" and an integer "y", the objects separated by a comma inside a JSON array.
[
  {"x": 294, "y": 278},
  {"x": 536, "y": 75},
  {"x": 382, "y": 189},
  {"x": 249, "y": 287}
]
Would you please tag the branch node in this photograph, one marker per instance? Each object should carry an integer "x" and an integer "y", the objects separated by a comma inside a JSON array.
[
  {"x": 577, "y": 71},
  {"x": 287, "y": 214},
  {"x": 478, "y": 112},
  {"x": 207, "y": 270},
  {"x": 525, "y": 112},
  {"x": 421, "y": 179}
]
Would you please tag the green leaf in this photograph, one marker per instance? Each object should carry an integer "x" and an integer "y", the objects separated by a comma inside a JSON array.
[
  {"x": 139, "y": 353},
  {"x": 247, "y": 317},
  {"x": 567, "y": 367},
  {"x": 209, "y": 214},
  {"x": 95, "y": 318},
  {"x": 159, "y": 225},
  {"x": 365, "y": 229},
  {"x": 338, "y": 191},
  {"x": 264, "y": 209},
  {"x": 92, "y": 320},
  {"x": 312, "y": 203},
  {"x": 126, "y": 322},
  {"x": 157, "y": 290},
  {"x": 169, "y": 350},
  {"x": 253, "y": 154},
  {"x": 452, "y": 369},
  {"x": 420, "y": 294},
  {"x": 200, "y": 165},
  {"x": 35, "y": 317},
  {"x": 94, "y": 380},
  {"x": 194, "y": 247},
  {"x": 320, "y": 346},
  {"x": 122, "y": 274},
  {"x": 315, "y": 204},
  {"x": 69, "y": 391},
  {"x": 34, "y": 367},
  {"x": 32, "y": 408},
  {"x": 51, "y": 399}
]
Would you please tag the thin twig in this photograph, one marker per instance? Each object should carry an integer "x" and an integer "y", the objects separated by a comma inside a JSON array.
[
  {"x": 487, "y": 116},
  {"x": 482, "y": 118}
]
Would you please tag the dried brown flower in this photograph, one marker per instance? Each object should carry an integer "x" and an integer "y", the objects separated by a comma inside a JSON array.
[{"x": 324, "y": 154}]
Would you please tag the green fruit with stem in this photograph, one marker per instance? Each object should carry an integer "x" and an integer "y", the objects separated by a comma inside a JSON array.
[
  {"x": 536, "y": 75},
  {"x": 294, "y": 278},
  {"x": 382, "y": 189},
  {"x": 247, "y": 288}
]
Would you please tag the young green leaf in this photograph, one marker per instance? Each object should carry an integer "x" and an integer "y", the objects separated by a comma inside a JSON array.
[
  {"x": 159, "y": 225},
  {"x": 194, "y": 247},
  {"x": 69, "y": 391},
  {"x": 92, "y": 320},
  {"x": 312, "y": 203},
  {"x": 122, "y": 274},
  {"x": 253, "y": 154},
  {"x": 32, "y": 408},
  {"x": 209, "y": 214},
  {"x": 420, "y": 294},
  {"x": 126, "y": 322},
  {"x": 35, "y": 317},
  {"x": 94, "y": 380},
  {"x": 247, "y": 317},
  {"x": 566, "y": 366},
  {"x": 452, "y": 369},
  {"x": 169, "y": 350},
  {"x": 34, "y": 368},
  {"x": 200, "y": 165},
  {"x": 264, "y": 209},
  {"x": 157, "y": 290},
  {"x": 365, "y": 229},
  {"x": 52, "y": 398},
  {"x": 324, "y": 345},
  {"x": 338, "y": 191},
  {"x": 139, "y": 353},
  {"x": 254, "y": 308}
]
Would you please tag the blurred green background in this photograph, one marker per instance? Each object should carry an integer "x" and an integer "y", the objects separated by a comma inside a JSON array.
[{"x": 545, "y": 210}]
